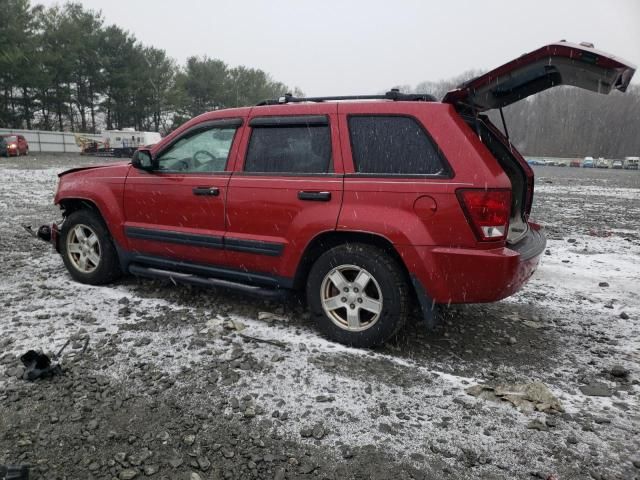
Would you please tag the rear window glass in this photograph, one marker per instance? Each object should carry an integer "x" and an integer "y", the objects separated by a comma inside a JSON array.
[
  {"x": 10, "y": 139},
  {"x": 289, "y": 149},
  {"x": 393, "y": 145}
]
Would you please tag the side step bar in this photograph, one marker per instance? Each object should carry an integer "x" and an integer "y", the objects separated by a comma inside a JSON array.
[{"x": 150, "y": 272}]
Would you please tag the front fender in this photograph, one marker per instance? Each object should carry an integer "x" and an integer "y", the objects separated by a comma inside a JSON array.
[{"x": 104, "y": 193}]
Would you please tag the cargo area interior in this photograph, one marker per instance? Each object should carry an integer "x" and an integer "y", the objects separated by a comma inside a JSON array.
[{"x": 518, "y": 226}]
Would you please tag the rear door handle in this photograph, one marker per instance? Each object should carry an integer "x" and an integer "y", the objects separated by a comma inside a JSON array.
[
  {"x": 212, "y": 191},
  {"x": 315, "y": 196}
]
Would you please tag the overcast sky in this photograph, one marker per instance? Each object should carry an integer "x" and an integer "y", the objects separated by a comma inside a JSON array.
[{"x": 353, "y": 47}]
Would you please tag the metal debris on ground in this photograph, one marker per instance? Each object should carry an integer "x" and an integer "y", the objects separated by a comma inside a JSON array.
[
  {"x": 594, "y": 232},
  {"x": 526, "y": 397},
  {"x": 14, "y": 472},
  {"x": 38, "y": 365},
  {"x": 232, "y": 324},
  {"x": 57, "y": 355},
  {"x": 275, "y": 343},
  {"x": 271, "y": 317}
]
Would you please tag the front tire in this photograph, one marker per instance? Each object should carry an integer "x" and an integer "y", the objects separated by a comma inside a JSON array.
[
  {"x": 358, "y": 295},
  {"x": 87, "y": 249}
]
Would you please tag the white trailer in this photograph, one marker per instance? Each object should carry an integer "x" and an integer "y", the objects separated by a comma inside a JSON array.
[
  {"x": 121, "y": 143},
  {"x": 128, "y": 137}
]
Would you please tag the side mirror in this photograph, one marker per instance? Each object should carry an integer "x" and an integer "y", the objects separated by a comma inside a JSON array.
[{"x": 143, "y": 160}]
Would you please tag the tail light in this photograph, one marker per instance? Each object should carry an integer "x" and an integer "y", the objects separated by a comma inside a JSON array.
[
  {"x": 12, "y": 145},
  {"x": 488, "y": 211}
]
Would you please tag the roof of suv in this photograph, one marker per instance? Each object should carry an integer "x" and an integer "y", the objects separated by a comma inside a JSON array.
[
  {"x": 315, "y": 106},
  {"x": 393, "y": 94}
]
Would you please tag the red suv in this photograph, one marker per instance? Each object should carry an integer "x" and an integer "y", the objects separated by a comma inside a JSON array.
[
  {"x": 13, "y": 145},
  {"x": 366, "y": 204}
]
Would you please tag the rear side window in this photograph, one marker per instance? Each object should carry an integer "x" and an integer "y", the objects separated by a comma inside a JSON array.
[
  {"x": 289, "y": 149},
  {"x": 393, "y": 145}
]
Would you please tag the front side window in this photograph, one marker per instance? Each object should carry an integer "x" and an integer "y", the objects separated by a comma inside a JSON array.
[
  {"x": 289, "y": 149},
  {"x": 202, "y": 152},
  {"x": 393, "y": 145}
]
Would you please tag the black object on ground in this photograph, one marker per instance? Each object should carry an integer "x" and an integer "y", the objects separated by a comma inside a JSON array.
[
  {"x": 38, "y": 365},
  {"x": 43, "y": 233},
  {"x": 14, "y": 472}
]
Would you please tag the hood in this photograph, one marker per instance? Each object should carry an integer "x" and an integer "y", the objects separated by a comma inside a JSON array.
[
  {"x": 562, "y": 63},
  {"x": 94, "y": 167}
]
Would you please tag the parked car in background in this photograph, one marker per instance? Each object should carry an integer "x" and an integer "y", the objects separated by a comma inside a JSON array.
[
  {"x": 13, "y": 145},
  {"x": 535, "y": 161},
  {"x": 617, "y": 164},
  {"x": 575, "y": 163},
  {"x": 631, "y": 163},
  {"x": 550, "y": 163},
  {"x": 588, "y": 162},
  {"x": 364, "y": 205},
  {"x": 602, "y": 163}
]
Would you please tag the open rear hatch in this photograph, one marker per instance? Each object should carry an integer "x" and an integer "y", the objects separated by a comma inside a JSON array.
[
  {"x": 556, "y": 64},
  {"x": 560, "y": 63}
]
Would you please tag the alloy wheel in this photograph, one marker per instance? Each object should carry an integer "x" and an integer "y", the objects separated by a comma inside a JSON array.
[
  {"x": 83, "y": 248},
  {"x": 351, "y": 297}
]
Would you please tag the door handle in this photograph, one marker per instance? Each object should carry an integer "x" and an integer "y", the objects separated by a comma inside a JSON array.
[
  {"x": 315, "y": 196},
  {"x": 212, "y": 191}
]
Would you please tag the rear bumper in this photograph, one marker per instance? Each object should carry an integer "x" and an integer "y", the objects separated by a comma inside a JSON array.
[{"x": 462, "y": 275}]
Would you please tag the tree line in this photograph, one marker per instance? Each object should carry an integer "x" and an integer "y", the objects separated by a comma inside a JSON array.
[
  {"x": 574, "y": 123},
  {"x": 63, "y": 68},
  {"x": 564, "y": 121}
]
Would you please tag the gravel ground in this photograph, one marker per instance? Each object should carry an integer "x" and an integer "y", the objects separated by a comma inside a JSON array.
[{"x": 186, "y": 383}]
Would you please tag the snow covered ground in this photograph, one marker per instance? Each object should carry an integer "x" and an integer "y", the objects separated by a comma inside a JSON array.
[{"x": 317, "y": 406}]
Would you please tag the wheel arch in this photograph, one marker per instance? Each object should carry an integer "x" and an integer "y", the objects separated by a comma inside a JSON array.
[
  {"x": 328, "y": 240},
  {"x": 74, "y": 204},
  {"x": 70, "y": 205}
]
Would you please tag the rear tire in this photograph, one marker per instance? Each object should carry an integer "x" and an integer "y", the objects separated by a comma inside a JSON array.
[
  {"x": 358, "y": 295},
  {"x": 87, "y": 249}
]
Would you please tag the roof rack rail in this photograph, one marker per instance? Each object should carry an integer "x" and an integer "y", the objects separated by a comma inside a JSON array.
[{"x": 393, "y": 94}]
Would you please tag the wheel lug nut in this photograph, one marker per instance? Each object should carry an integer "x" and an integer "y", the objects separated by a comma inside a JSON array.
[
  {"x": 359, "y": 300},
  {"x": 343, "y": 299},
  {"x": 346, "y": 290},
  {"x": 355, "y": 289}
]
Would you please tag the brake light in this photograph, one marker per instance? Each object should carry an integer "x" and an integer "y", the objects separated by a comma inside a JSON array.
[
  {"x": 12, "y": 145},
  {"x": 488, "y": 211}
]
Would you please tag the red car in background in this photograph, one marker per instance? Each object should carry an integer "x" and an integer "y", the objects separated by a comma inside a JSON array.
[{"x": 13, "y": 145}]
